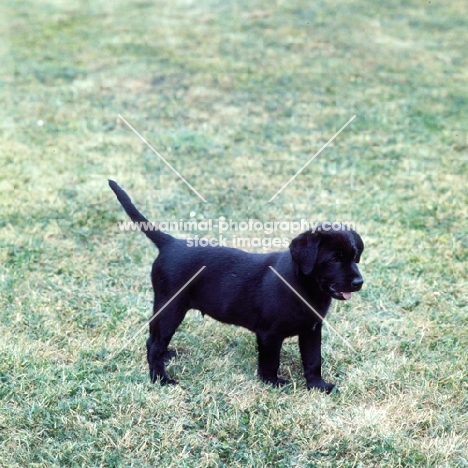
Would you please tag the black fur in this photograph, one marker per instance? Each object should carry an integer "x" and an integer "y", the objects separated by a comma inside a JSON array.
[{"x": 239, "y": 288}]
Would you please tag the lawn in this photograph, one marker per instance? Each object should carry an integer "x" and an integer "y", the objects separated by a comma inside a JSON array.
[{"x": 237, "y": 97}]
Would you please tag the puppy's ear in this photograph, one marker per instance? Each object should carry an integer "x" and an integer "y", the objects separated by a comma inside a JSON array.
[{"x": 304, "y": 251}]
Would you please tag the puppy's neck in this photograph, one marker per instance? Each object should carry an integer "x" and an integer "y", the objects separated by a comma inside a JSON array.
[{"x": 314, "y": 294}]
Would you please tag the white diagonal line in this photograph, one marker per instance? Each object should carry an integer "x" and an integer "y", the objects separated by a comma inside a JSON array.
[
  {"x": 160, "y": 156},
  {"x": 312, "y": 158},
  {"x": 310, "y": 307},
  {"x": 158, "y": 312}
]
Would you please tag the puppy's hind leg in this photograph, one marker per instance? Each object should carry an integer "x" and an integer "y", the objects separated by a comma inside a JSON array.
[{"x": 162, "y": 328}]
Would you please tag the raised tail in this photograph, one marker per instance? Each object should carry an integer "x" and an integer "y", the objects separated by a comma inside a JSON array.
[{"x": 149, "y": 229}]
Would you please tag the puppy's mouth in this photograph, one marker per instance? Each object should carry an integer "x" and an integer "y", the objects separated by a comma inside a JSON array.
[{"x": 340, "y": 295}]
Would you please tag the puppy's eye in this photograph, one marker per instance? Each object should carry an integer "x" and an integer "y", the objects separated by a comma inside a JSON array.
[{"x": 336, "y": 258}]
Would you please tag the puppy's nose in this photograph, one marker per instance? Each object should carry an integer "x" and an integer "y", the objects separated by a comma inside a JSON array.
[{"x": 357, "y": 283}]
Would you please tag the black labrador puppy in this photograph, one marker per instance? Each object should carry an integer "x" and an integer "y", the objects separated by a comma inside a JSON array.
[{"x": 240, "y": 288}]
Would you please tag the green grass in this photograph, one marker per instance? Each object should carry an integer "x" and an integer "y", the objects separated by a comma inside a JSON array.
[{"x": 237, "y": 96}]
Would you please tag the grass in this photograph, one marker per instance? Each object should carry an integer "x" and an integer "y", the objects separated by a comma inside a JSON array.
[{"x": 237, "y": 96}]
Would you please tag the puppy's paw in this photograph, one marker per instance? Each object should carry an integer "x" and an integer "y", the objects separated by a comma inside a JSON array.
[
  {"x": 280, "y": 382},
  {"x": 275, "y": 381},
  {"x": 163, "y": 380},
  {"x": 168, "y": 381},
  {"x": 322, "y": 386}
]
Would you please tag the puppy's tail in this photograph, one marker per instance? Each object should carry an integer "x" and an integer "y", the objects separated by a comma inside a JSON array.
[{"x": 151, "y": 231}]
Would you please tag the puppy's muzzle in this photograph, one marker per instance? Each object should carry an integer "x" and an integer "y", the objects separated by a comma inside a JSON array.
[{"x": 343, "y": 293}]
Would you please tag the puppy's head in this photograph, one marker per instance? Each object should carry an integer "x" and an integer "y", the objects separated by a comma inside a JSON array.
[{"x": 330, "y": 257}]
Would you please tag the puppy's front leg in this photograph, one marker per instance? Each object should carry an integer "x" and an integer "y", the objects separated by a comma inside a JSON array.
[
  {"x": 310, "y": 345},
  {"x": 269, "y": 349}
]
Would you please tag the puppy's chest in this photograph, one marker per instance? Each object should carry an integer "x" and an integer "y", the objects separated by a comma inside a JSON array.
[
  {"x": 295, "y": 322},
  {"x": 299, "y": 311},
  {"x": 295, "y": 329}
]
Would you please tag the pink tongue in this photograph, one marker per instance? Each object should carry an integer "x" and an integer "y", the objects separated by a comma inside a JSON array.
[{"x": 346, "y": 295}]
